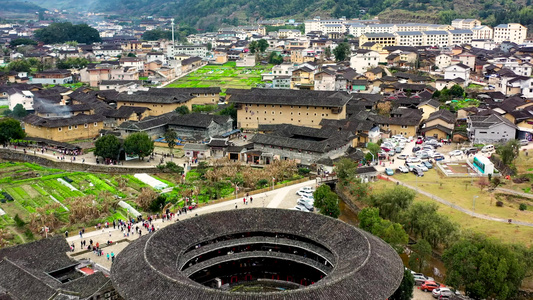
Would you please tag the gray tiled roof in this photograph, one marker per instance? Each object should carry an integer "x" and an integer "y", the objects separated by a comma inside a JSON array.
[
  {"x": 292, "y": 97},
  {"x": 361, "y": 259},
  {"x": 79, "y": 119}
]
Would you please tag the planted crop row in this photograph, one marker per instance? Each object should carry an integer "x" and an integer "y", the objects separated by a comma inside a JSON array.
[
  {"x": 100, "y": 184},
  {"x": 39, "y": 189}
]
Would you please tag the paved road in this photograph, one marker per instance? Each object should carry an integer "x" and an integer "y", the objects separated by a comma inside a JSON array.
[
  {"x": 459, "y": 208},
  {"x": 280, "y": 198},
  {"x": 515, "y": 192}
]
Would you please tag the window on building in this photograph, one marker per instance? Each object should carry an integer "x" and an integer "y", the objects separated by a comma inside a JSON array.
[
  {"x": 59, "y": 129},
  {"x": 69, "y": 127}
]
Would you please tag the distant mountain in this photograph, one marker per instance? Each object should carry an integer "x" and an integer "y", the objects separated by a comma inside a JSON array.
[
  {"x": 18, "y": 7},
  {"x": 209, "y": 14}
]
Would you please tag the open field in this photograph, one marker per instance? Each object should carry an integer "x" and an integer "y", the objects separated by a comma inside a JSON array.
[
  {"x": 223, "y": 76},
  {"x": 461, "y": 191},
  {"x": 504, "y": 232}
]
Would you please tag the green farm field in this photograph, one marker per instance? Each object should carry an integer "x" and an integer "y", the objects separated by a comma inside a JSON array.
[{"x": 223, "y": 76}]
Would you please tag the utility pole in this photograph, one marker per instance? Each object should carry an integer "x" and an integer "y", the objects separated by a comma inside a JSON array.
[{"x": 173, "y": 43}]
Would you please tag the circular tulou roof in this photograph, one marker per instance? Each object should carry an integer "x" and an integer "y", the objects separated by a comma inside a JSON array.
[{"x": 363, "y": 266}]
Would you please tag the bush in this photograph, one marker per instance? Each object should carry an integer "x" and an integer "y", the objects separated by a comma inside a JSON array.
[
  {"x": 499, "y": 203},
  {"x": 262, "y": 182},
  {"x": 158, "y": 203},
  {"x": 173, "y": 167},
  {"x": 303, "y": 171},
  {"x": 522, "y": 207},
  {"x": 19, "y": 221}
]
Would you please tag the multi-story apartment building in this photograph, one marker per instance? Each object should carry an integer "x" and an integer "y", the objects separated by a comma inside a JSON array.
[
  {"x": 409, "y": 38},
  {"x": 465, "y": 23},
  {"x": 512, "y": 32},
  {"x": 460, "y": 36},
  {"x": 439, "y": 38},
  {"x": 190, "y": 50},
  {"x": 384, "y": 39},
  {"x": 482, "y": 32},
  {"x": 364, "y": 60}
]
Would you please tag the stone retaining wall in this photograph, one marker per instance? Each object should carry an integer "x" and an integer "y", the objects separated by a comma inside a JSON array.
[{"x": 9, "y": 155}]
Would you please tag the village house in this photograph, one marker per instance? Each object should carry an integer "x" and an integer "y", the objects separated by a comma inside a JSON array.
[
  {"x": 72, "y": 128},
  {"x": 490, "y": 129},
  {"x": 440, "y": 124},
  {"x": 52, "y": 77}
]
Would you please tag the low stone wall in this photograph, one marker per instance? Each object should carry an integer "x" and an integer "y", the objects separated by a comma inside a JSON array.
[
  {"x": 346, "y": 199},
  {"x": 10, "y": 155}
]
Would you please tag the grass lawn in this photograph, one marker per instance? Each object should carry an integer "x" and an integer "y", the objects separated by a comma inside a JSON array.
[
  {"x": 223, "y": 76},
  {"x": 461, "y": 192},
  {"x": 504, "y": 232}
]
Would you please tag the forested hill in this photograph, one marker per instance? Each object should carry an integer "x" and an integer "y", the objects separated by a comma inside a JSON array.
[
  {"x": 209, "y": 14},
  {"x": 19, "y": 7}
]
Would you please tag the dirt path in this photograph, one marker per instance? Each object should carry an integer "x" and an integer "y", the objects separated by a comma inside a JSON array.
[{"x": 14, "y": 230}]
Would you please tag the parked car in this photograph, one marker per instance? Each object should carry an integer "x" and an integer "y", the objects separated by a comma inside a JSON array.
[
  {"x": 389, "y": 171},
  {"x": 444, "y": 291},
  {"x": 423, "y": 167},
  {"x": 402, "y": 156},
  {"x": 416, "y": 148},
  {"x": 413, "y": 159},
  {"x": 487, "y": 148},
  {"x": 429, "y": 286},
  {"x": 308, "y": 200},
  {"x": 301, "y": 208},
  {"x": 403, "y": 169},
  {"x": 421, "y": 278},
  {"x": 398, "y": 149},
  {"x": 428, "y": 147},
  {"x": 419, "y": 141},
  {"x": 410, "y": 166},
  {"x": 418, "y": 172},
  {"x": 302, "y": 193},
  {"x": 455, "y": 153},
  {"x": 308, "y": 196},
  {"x": 438, "y": 157},
  {"x": 424, "y": 155},
  {"x": 307, "y": 189},
  {"x": 471, "y": 151},
  {"x": 305, "y": 204},
  {"x": 391, "y": 152},
  {"x": 434, "y": 143},
  {"x": 524, "y": 142},
  {"x": 427, "y": 164}
]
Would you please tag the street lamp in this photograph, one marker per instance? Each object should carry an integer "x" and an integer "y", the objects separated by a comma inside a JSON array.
[
  {"x": 273, "y": 180},
  {"x": 474, "y": 203}
]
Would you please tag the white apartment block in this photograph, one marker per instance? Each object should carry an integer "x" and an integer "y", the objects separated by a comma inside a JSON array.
[
  {"x": 381, "y": 28},
  {"x": 318, "y": 25},
  {"x": 364, "y": 60},
  {"x": 482, "y": 32},
  {"x": 329, "y": 28},
  {"x": 439, "y": 38},
  {"x": 460, "y": 37},
  {"x": 465, "y": 23},
  {"x": 289, "y": 33},
  {"x": 409, "y": 38},
  {"x": 190, "y": 50},
  {"x": 512, "y": 32},
  {"x": 356, "y": 29},
  {"x": 487, "y": 44}
]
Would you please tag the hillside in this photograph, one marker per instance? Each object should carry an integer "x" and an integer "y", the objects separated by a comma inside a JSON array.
[
  {"x": 209, "y": 14},
  {"x": 12, "y": 8}
]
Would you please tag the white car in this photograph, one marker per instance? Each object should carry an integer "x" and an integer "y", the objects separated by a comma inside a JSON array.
[
  {"x": 403, "y": 169},
  {"x": 301, "y": 208},
  {"x": 441, "y": 291},
  {"x": 308, "y": 196},
  {"x": 307, "y": 190},
  {"x": 413, "y": 160},
  {"x": 455, "y": 153},
  {"x": 423, "y": 167},
  {"x": 302, "y": 193},
  {"x": 308, "y": 200}
]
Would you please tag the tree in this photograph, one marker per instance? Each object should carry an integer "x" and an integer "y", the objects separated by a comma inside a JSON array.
[
  {"x": 157, "y": 34},
  {"x": 486, "y": 268},
  {"x": 131, "y": 54},
  {"x": 384, "y": 108},
  {"x": 405, "y": 290},
  {"x": 10, "y": 129},
  {"x": 331, "y": 206},
  {"x": 457, "y": 91},
  {"x": 20, "y": 65},
  {"x": 262, "y": 45},
  {"x": 368, "y": 217},
  {"x": 170, "y": 137},
  {"x": 253, "y": 46},
  {"x": 209, "y": 46},
  {"x": 19, "y": 111},
  {"x": 320, "y": 195},
  {"x": 327, "y": 52},
  {"x": 345, "y": 168},
  {"x": 65, "y": 32},
  {"x": 146, "y": 197},
  {"x": 392, "y": 233},
  {"x": 183, "y": 110},
  {"x": 342, "y": 52},
  {"x": 420, "y": 256},
  {"x": 391, "y": 202},
  {"x": 423, "y": 220},
  {"x": 509, "y": 151},
  {"x": 482, "y": 183},
  {"x": 72, "y": 63},
  {"x": 107, "y": 146},
  {"x": 22, "y": 41},
  {"x": 275, "y": 58},
  {"x": 140, "y": 144}
]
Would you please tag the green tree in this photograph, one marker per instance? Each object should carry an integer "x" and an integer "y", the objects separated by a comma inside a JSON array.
[
  {"x": 19, "y": 111},
  {"x": 183, "y": 110},
  {"x": 231, "y": 111},
  {"x": 157, "y": 34},
  {"x": 209, "y": 46},
  {"x": 22, "y": 41},
  {"x": 327, "y": 52},
  {"x": 509, "y": 151},
  {"x": 345, "y": 168},
  {"x": 170, "y": 138},
  {"x": 131, "y": 54},
  {"x": 420, "y": 256},
  {"x": 487, "y": 268},
  {"x": 342, "y": 51},
  {"x": 331, "y": 206},
  {"x": 253, "y": 46},
  {"x": 368, "y": 217},
  {"x": 457, "y": 91},
  {"x": 405, "y": 290},
  {"x": 392, "y": 233},
  {"x": 320, "y": 195},
  {"x": 65, "y": 32},
  {"x": 140, "y": 144},
  {"x": 391, "y": 202},
  {"x": 107, "y": 146},
  {"x": 275, "y": 58},
  {"x": 72, "y": 63},
  {"x": 10, "y": 129},
  {"x": 20, "y": 65},
  {"x": 262, "y": 45}
]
